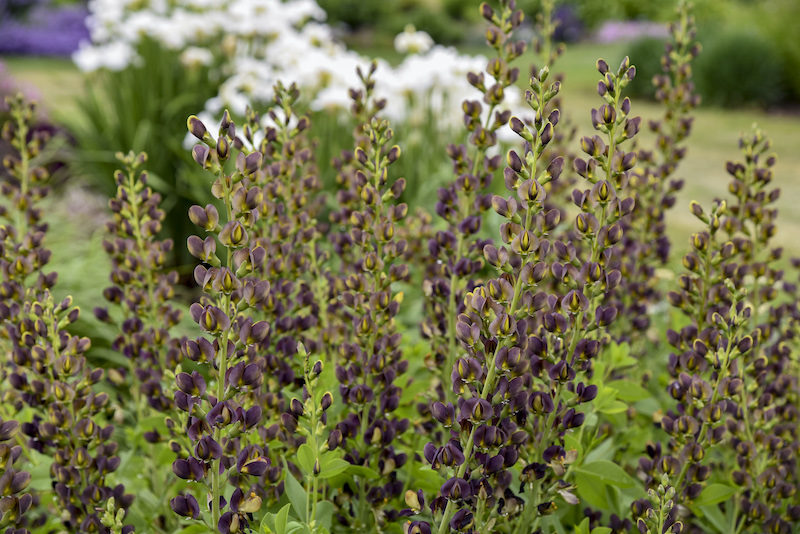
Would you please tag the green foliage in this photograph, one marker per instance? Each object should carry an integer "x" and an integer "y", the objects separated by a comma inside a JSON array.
[
  {"x": 442, "y": 29},
  {"x": 144, "y": 108},
  {"x": 593, "y": 13},
  {"x": 780, "y": 20},
  {"x": 355, "y": 13},
  {"x": 739, "y": 67}
]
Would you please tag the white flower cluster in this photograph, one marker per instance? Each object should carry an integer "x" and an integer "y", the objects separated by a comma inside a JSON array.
[
  {"x": 255, "y": 43},
  {"x": 412, "y": 42}
]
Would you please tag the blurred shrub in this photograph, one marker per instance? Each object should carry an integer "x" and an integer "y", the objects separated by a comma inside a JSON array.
[
  {"x": 144, "y": 108},
  {"x": 592, "y": 12},
  {"x": 441, "y": 28},
  {"x": 17, "y": 8},
  {"x": 355, "y": 13},
  {"x": 462, "y": 9},
  {"x": 646, "y": 55},
  {"x": 737, "y": 68},
  {"x": 780, "y": 20}
]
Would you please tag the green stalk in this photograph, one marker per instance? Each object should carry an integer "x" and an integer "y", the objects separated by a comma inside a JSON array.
[{"x": 222, "y": 356}]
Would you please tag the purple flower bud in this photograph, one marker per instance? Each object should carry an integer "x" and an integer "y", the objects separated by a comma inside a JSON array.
[
  {"x": 456, "y": 489},
  {"x": 487, "y": 12},
  {"x": 476, "y": 410},
  {"x": 445, "y": 414},
  {"x": 462, "y": 521},
  {"x": 200, "y": 154},
  {"x": 540, "y": 403},
  {"x": 185, "y": 506}
]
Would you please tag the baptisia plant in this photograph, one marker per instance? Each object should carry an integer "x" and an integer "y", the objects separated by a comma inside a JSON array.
[
  {"x": 141, "y": 295},
  {"x": 646, "y": 246},
  {"x": 732, "y": 394},
  {"x": 141, "y": 288},
  {"x": 296, "y": 306},
  {"x": 214, "y": 450},
  {"x": 761, "y": 431},
  {"x": 46, "y": 365},
  {"x": 456, "y": 253},
  {"x": 306, "y": 403},
  {"x": 287, "y": 231},
  {"x": 369, "y": 358},
  {"x": 529, "y": 352}
]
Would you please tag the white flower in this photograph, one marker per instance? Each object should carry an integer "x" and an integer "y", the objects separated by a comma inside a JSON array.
[
  {"x": 195, "y": 56},
  {"x": 263, "y": 41},
  {"x": 412, "y": 41},
  {"x": 113, "y": 56}
]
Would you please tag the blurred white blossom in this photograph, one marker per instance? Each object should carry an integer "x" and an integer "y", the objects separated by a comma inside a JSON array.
[
  {"x": 194, "y": 56},
  {"x": 412, "y": 41},
  {"x": 255, "y": 43},
  {"x": 112, "y": 56}
]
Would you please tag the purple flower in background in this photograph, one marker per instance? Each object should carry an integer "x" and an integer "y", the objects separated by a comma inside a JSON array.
[
  {"x": 614, "y": 30},
  {"x": 569, "y": 27},
  {"x": 45, "y": 31}
]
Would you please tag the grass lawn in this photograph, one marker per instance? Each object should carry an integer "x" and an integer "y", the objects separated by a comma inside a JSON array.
[
  {"x": 56, "y": 81},
  {"x": 713, "y": 142}
]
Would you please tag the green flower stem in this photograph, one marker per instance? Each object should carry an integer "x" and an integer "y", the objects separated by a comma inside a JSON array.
[{"x": 222, "y": 357}]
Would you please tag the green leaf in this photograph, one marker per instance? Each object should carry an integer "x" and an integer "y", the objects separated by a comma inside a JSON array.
[
  {"x": 297, "y": 528},
  {"x": 297, "y": 496},
  {"x": 607, "y": 473},
  {"x": 324, "y": 515},
  {"x": 620, "y": 356},
  {"x": 605, "y": 396},
  {"x": 333, "y": 467},
  {"x": 426, "y": 478},
  {"x": 601, "y": 530},
  {"x": 604, "y": 451},
  {"x": 306, "y": 458},
  {"x": 590, "y": 491},
  {"x": 193, "y": 529},
  {"x": 715, "y": 517},
  {"x": 583, "y": 528},
  {"x": 613, "y": 407},
  {"x": 363, "y": 472},
  {"x": 268, "y": 523},
  {"x": 40, "y": 471},
  {"x": 714, "y": 494},
  {"x": 630, "y": 391},
  {"x": 281, "y": 518}
]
